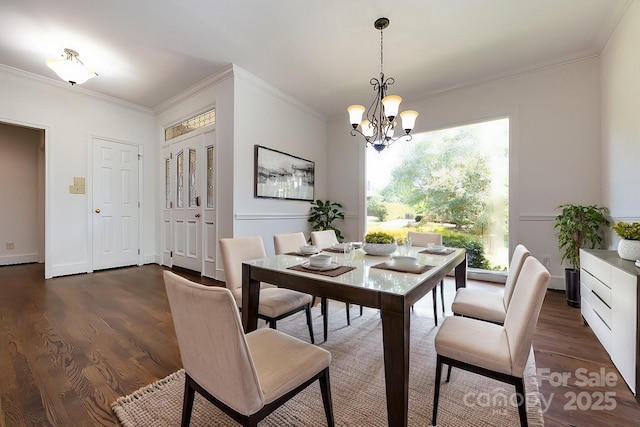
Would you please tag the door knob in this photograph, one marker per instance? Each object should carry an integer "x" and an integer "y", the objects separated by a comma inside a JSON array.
[
  {"x": 197, "y": 215},
  {"x": 97, "y": 210}
]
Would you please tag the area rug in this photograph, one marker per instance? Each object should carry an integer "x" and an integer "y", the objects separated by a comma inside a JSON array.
[{"x": 357, "y": 386}]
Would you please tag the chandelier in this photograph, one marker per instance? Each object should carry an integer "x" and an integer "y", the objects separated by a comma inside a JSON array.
[
  {"x": 378, "y": 126},
  {"x": 70, "y": 69}
]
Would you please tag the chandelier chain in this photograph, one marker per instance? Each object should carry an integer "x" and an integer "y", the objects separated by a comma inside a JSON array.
[{"x": 381, "y": 53}]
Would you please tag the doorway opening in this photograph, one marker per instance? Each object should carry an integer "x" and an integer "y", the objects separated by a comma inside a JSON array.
[{"x": 22, "y": 184}]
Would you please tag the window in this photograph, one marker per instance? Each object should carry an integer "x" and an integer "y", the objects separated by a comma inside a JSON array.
[
  {"x": 201, "y": 120},
  {"x": 452, "y": 181}
]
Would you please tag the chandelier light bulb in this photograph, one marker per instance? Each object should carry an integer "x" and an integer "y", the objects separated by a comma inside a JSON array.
[
  {"x": 355, "y": 114},
  {"x": 391, "y": 106},
  {"x": 408, "y": 119}
]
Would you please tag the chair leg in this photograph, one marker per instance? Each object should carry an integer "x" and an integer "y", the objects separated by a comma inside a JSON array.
[
  {"x": 187, "y": 403},
  {"x": 448, "y": 373},
  {"x": 361, "y": 310},
  {"x": 348, "y": 307},
  {"x": 272, "y": 323},
  {"x": 325, "y": 317},
  {"x": 442, "y": 295},
  {"x": 436, "y": 392},
  {"x": 435, "y": 305},
  {"x": 309, "y": 323},
  {"x": 522, "y": 403},
  {"x": 325, "y": 389}
]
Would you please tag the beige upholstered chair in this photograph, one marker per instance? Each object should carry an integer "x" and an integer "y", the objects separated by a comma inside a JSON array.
[
  {"x": 423, "y": 239},
  {"x": 322, "y": 240},
  {"x": 291, "y": 242},
  {"x": 246, "y": 376},
  {"x": 275, "y": 303},
  {"x": 490, "y": 306},
  {"x": 496, "y": 351}
]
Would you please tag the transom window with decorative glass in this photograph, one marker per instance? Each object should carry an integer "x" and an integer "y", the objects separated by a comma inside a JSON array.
[{"x": 201, "y": 120}]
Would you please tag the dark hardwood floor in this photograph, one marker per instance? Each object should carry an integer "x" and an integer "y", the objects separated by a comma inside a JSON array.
[{"x": 72, "y": 345}]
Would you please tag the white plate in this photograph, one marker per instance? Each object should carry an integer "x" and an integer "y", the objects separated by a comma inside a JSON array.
[
  {"x": 442, "y": 249},
  {"x": 638, "y": 263},
  {"x": 339, "y": 246},
  {"x": 308, "y": 266}
]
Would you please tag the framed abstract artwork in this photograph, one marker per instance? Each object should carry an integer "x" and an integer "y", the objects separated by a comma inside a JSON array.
[{"x": 280, "y": 175}]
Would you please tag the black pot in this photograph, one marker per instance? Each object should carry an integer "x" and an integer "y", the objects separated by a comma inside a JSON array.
[{"x": 572, "y": 284}]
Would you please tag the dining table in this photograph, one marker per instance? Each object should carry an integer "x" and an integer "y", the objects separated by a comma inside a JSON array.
[{"x": 367, "y": 281}]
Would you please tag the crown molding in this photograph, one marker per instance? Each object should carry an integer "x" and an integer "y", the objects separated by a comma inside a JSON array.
[
  {"x": 209, "y": 82},
  {"x": 15, "y": 72}
]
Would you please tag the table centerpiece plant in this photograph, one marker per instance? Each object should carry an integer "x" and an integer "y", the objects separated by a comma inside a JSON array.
[
  {"x": 379, "y": 243},
  {"x": 629, "y": 245}
]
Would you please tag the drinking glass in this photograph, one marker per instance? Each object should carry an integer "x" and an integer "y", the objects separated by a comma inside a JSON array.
[
  {"x": 349, "y": 253},
  {"x": 407, "y": 245}
]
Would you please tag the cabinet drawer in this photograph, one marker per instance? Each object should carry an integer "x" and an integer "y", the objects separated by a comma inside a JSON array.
[
  {"x": 603, "y": 291},
  {"x": 599, "y": 328},
  {"x": 598, "y": 268},
  {"x": 602, "y": 310}
]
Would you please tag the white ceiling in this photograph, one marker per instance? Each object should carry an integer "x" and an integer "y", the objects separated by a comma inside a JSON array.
[{"x": 322, "y": 52}]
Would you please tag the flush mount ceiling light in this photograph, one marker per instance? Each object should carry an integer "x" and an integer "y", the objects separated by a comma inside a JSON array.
[
  {"x": 70, "y": 69},
  {"x": 379, "y": 124}
]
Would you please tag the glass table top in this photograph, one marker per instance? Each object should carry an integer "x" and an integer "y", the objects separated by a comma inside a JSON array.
[{"x": 364, "y": 275}]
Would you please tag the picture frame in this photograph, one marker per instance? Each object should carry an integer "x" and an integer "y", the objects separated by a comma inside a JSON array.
[{"x": 279, "y": 175}]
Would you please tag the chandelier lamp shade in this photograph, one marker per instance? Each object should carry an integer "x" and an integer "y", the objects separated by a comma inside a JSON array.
[
  {"x": 379, "y": 123},
  {"x": 70, "y": 69}
]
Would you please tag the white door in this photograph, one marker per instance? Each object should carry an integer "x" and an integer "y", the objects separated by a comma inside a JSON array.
[
  {"x": 186, "y": 214},
  {"x": 115, "y": 204}
]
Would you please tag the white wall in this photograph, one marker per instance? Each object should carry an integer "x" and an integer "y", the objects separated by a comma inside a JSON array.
[
  {"x": 621, "y": 122},
  {"x": 70, "y": 116},
  {"x": 266, "y": 116},
  {"x": 21, "y": 195},
  {"x": 554, "y": 148}
]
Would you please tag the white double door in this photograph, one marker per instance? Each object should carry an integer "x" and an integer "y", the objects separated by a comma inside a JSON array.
[{"x": 188, "y": 208}]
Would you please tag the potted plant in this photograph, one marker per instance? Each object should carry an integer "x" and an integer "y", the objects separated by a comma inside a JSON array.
[
  {"x": 578, "y": 227},
  {"x": 629, "y": 246},
  {"x": 379, "y": 243},
  {"x": 323, "y": 214}
]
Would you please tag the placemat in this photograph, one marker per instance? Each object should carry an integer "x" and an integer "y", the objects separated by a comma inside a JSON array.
[
  {"x": 390, "y": 265},
  {"x": 331, "y": 273},
  {"x": 335, "y": 250},
  {"x": 432, "y": 252},
  {"x": 300, "y": 254}
]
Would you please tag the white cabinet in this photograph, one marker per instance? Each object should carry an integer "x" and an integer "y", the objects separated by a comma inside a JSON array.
[{"x": 609, "y": 305}]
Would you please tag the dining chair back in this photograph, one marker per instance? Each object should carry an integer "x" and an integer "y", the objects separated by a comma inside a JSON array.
[
  {"x": 236, "y": 250},
  {"x": 245, "y": 376},
  {"x": 423, "y": 239},
  {"x": 520, "y": 254},
  {"x": 487, "y": 305},
  {"x": 290, "y": 242},
  {"x": 323, "y": 239}
]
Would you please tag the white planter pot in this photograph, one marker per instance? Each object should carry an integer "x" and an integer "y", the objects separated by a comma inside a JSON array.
[
  {"x": 629, "y": 249},
  {"x": 380, "y": 249}
]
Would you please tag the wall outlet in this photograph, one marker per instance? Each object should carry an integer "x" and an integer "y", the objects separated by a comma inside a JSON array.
[
  {"x": 9, "y": 246},
  {"x": 546, "y": 261}
]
